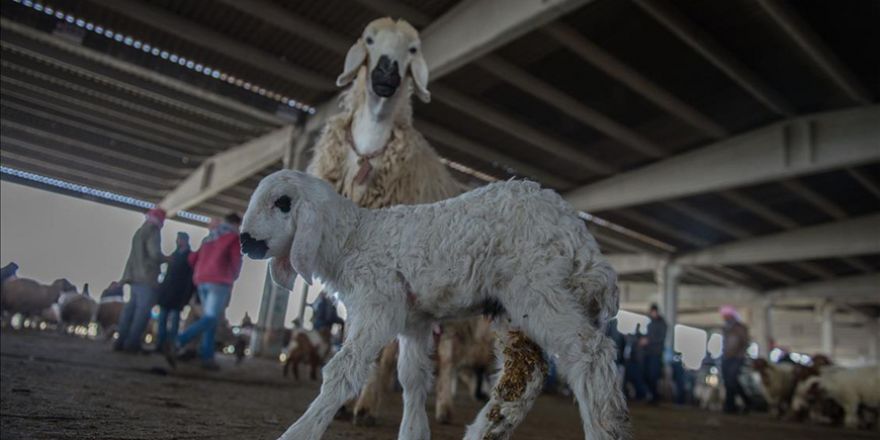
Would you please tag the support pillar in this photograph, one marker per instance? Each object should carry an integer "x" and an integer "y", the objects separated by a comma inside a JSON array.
[
  {"x": 828, "y": 309},
  {"x": 874, "y": 341},
  {"x": 667, "y": 276},
  {"x": 761, "y": 320}
]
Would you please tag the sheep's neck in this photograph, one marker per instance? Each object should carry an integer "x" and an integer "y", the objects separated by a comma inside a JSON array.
[{"x": 373, "y": 123}]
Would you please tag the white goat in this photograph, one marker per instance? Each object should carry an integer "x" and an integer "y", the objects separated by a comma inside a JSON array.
[
  {"x": 512, "y": 246},
  {"x": 371, "y": 153}
]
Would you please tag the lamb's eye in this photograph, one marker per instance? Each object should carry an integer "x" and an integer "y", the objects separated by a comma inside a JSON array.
[
  {"x": 283, "y": 203},
  {"x": 413, "y": 50},
  {"x": 369, "y": 40}
]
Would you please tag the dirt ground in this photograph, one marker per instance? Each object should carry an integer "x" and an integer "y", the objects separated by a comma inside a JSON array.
[{"x": 65, "y": 387}]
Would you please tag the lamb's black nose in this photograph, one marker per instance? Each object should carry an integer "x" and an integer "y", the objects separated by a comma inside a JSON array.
[{"x": 252, "y": 247}]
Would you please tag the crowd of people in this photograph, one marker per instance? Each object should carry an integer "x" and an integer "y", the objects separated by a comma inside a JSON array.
[
  {"x": 208, "y": 272},
  {"x": 643, "y": 356}
]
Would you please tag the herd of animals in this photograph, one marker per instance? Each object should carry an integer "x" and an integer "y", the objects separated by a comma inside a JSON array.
[{"x": 372, "y": 155}]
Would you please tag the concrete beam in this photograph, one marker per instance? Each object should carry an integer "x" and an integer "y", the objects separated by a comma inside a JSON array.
[
  {"x": 228, "y": 168},
  {"x": 472, "y": 29},
  {"x": 715, "y": 53},
  {"x": 617, "y": 70},
  {"x": 626, "y": 264},
  {"x": 804, "y": 145},
  {"x": 637, "y": 296},
  {"x": 857, "y": 236},
  {"x": 201, "y": 36},
  {"x": 857, "y": 288},
  {"x": 821, "y": 55}
]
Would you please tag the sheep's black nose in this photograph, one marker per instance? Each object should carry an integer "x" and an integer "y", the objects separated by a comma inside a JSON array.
[
  {"x": 252, "y": 247},
  {"x": 385, "y": 77}
]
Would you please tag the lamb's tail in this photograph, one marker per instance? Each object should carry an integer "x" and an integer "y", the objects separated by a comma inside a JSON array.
[{"x": 595, "y": 283}]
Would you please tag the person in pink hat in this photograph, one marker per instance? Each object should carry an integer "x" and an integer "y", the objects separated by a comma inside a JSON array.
[
  {"x": 735, "y": 343},
  {"x": 142, "y": 274}
]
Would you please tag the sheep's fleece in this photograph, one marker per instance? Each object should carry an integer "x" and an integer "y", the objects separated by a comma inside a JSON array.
[{"x": 511, "y": 244}]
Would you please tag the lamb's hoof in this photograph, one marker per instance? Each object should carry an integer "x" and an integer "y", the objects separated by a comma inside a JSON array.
[{"x": 363, "y": 417}]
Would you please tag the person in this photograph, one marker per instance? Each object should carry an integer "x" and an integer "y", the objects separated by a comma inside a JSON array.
[
  {"x": 174, "y": 292},
  {"x": 325, "y": 316},
  {"x": 114, "y": 291},
  {"x": 653, "y": 343},
  {"x": 634, "y": 354},
  {"x": 216, "y": 266},
  {"x": 8, "y": 272},
  {"x": 735, "y": 342},
  {"x": 142, "y": 273}
]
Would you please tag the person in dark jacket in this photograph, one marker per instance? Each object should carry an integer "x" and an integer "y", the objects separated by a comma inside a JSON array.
[
  {"x": 653, "y": 343},
  {"x": 175, "y": 291},
  {"x": 216, "y": 266},
  {"x": 634, "y": 358},
  {"x": 734, "y": 344},
  {"x": 325, "y": 316}
]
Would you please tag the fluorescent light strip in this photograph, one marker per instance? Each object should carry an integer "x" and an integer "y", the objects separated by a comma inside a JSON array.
[
  {"x": 106, "y": 195},
  {"x": 165, "y": 55}
]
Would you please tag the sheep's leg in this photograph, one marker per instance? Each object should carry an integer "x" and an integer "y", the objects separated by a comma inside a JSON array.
[
  {"x": 370, "y": 329},
  {"x": 585, "y": 356},
  {"x": 519, "y": 384},
  {"x": 367, "y": 407},
  {"x": 414, "y": 369},
  {"x": 446, "y": 377}
]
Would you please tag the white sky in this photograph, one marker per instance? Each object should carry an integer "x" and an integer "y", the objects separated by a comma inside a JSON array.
[{"x": 55, "y": 236}]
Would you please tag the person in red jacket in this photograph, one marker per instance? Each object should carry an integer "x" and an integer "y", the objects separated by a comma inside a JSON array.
[{"x": 216, "y": 266}]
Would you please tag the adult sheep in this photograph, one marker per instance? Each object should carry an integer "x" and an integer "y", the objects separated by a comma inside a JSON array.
[
  {"x": 28, "y": 297},
  {"x": 77, "y": 309},
  {"x": 509, "y": 246},
  {"x": 839, "y": 389},
  {"x": 371, "y": 153}
]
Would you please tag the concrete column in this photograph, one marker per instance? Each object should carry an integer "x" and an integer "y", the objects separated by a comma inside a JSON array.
[
  {"x": 874, "y": 341},
  {"x": 827, "y": 309},
  {"x": 761, "y": 320},
  {"x": 667, "y": 276}
]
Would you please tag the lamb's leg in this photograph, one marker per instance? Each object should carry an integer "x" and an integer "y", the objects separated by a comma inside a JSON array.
[
  {"x": 414, "y": 369},
  {"x": 367, "y": 407},
  {"x": 519, "y": 384},
  {"x": 446, "y": 377},
  {"x": 585, "y": 356},
  {"x": 370, "y": 329}
]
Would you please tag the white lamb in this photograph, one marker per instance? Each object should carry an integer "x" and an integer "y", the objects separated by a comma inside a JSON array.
[{"x": 520, "y": 250}]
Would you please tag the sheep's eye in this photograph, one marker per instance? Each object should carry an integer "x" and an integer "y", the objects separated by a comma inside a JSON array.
[
  {"x": 413, "y": 50},
  {"x": 369, "y": 40},
  {"x": 283, "y": 203}
]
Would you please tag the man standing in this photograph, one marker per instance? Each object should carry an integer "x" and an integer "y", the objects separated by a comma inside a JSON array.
[
  {"x": 142, "y": 273},
  {"x": 216, "y": 266},
  {"x": 325, "y": 316},
  {"x": 175, "y": 291},
  {"x": 734, "y": 343},
  {"x": 654, "y": 342}
]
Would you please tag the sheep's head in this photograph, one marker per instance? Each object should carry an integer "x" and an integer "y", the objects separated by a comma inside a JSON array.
[
  {"x": 283, "y": 223},
  {"x": 389, "y": 50}
]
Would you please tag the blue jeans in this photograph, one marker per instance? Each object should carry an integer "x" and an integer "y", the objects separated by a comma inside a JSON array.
[
  {"x": 168, "y": 323},
  {"x": 135, "y": 316},
  {"x": 214, "y": 299}
]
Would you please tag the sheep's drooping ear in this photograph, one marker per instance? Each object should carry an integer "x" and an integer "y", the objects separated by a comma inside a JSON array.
[
  {"x": 419, "y": 70},
  {"x": 307, "y": 239},
  {"x": 353, "y": 61},
  {"x": 282, "y": 272}
]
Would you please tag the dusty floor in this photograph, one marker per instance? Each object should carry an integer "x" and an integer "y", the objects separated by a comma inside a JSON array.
[{"x": 61, "y": 387}]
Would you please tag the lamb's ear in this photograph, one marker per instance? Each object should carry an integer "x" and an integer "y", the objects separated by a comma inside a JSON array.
[
  {"x": 356, "y": 57},
  {"x": 419, "y": 71},
  {"x": 306, "y": 241},
  {"x": 282, "y": 272}
]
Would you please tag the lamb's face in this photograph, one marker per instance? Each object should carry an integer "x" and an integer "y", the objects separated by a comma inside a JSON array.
[
  {"x": 267, "y": 227},
  {"x": 390, "y": 50}
]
